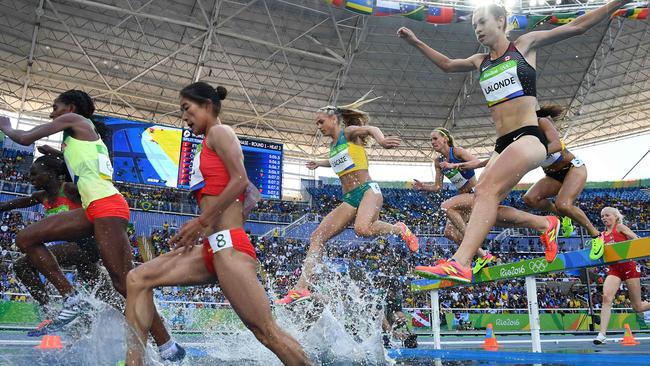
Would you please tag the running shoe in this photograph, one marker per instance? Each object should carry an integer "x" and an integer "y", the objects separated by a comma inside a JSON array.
[
  {"x": 177, "y": 356},
  {"x": 40, "y": 330},
  {"x": 481, "y": 262},
  {"x": 600, "y": 339},
  {"x": 73, "y": 308},
  {"x": 549, "y": 238},
  {"x": 597, "y": 248},
  {"x": 445, "y": 270},
  {"x": 409, "y": 238},
  {"x": 294, "y": 296},
  {"x": 567, "y": 227}
]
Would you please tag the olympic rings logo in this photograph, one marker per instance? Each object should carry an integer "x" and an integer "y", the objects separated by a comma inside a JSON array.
[{"x": 538, "y": 265}]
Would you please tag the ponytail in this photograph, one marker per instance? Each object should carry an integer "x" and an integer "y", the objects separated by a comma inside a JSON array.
[{"x": 551, "y": 111}]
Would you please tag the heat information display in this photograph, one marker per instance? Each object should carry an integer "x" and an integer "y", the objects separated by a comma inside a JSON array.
[{"x": 262, "y": 160}]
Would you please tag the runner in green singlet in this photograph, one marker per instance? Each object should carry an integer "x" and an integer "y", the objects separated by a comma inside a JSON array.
[{"x": 105, "y": 213}]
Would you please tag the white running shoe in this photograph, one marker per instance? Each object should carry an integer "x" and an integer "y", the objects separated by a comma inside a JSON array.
[{"x": 600, "y": 339}]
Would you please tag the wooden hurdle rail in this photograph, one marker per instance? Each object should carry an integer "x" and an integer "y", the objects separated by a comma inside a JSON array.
[{"x": 618, "y": 252}]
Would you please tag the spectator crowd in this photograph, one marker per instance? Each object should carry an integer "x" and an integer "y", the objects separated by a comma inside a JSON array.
[{"x": 281, "y": 257}]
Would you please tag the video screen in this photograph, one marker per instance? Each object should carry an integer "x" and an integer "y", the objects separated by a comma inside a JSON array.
[{"x": 146, "y": 153}]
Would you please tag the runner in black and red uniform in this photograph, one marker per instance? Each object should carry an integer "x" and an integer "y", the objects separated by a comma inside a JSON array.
[{"x": 508, "y": 81}]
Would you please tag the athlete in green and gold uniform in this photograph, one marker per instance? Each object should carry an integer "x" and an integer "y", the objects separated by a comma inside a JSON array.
[{"x": 348, "y": 128}]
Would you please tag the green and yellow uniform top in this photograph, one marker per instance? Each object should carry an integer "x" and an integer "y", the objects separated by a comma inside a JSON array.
[
  {"x": 90, "y": 168},
  {"x": 347, "y": 157}
]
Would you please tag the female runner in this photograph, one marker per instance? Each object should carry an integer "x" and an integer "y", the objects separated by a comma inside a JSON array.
[
  {"x": 348, "y": 128},
  {"x": 565, "y": 179},
  {"x": 457, "y": 208},
  {"x": 226, "y": 255},
  {"x": 56, "y": 196},
  {"x": 105, "y": 213},
  {"x": 616, "y": 231},
  {"x": 508, "y": 81}
]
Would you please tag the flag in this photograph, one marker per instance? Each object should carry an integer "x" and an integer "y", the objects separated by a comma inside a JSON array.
[
  {"x": 440, "y": 15},
  {"x": 536, "y": 20},
  {"x": 419, "y": 319},
  {"x": 635, "y": 13},
  {"x": 360, "y": 6},
  {"x": 516, "y": 22},
  {"x": 386, "y": 8},
  {"x": 412, "y": 11},
  {"x": 337, "y": 3},
  {"x": 564, "y": 18}
]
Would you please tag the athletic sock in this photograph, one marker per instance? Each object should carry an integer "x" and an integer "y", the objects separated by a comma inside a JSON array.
[{"x": 168, "y": 349}]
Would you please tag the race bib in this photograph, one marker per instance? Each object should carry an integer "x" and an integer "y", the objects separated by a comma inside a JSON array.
[
  {"x": 196, "y": 177},
  {"x": 577, "y": 162},
  {"x": 341, "y": 161},
  {"x": 455, "y": 177},
  {"x": 501, "y": 83},
  {"x": 104, "y": 163},
  {"x": 375, "y": 187},
  {"x": 219, "y": 241}
]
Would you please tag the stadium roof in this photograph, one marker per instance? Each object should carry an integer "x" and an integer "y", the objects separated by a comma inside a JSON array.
[{"x": 281, "y": 60}]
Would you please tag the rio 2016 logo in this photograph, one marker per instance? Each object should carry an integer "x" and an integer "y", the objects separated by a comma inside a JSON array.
[
  {"x": 507, "y": 322},
  {"x": 512, "y": 271}
]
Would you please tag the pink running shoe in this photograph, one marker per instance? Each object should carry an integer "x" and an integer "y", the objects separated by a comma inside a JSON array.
[
  {"x": 294, "y": 296},
  {"x": 446, "y": 270},
  {"x": 549, "y": 238},
  {"x": 409, "y": 238}
]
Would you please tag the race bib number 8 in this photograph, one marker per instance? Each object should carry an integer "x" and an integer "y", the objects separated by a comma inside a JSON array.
[{"x": 220, "y": 240}]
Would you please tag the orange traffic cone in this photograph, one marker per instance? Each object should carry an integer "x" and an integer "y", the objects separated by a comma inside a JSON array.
[
  {"x": 628, "y": 338},
  {"x": 490, "y": 342},
  {"x": 50, "y": 342}
]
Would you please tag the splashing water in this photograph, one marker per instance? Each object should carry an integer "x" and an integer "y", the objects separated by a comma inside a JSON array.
[{"x": 340, "y": 325}]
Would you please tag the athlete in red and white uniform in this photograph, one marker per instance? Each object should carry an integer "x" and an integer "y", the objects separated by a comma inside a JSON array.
[
  {"x": 226, "y": 255},
  {"x": 616, "y": 273}
]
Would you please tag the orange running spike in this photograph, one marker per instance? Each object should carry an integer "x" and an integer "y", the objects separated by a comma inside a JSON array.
[
  {"x": 490, "y": 343},
  {"x": 628, "y": 338},
  {"x": 50, "y": 342}
]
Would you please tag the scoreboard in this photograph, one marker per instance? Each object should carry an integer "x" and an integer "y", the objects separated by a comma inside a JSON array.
[{"x": 262, "y": 160}]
